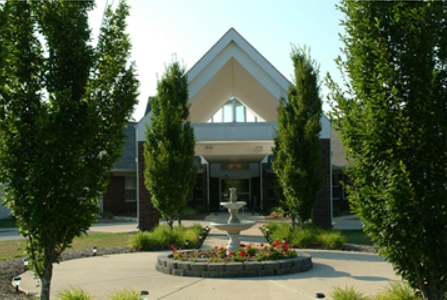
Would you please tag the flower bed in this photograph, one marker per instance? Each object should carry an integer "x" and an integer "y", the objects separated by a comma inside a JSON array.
[
  {"x": 245, "y": 261},
  {"x": 202, "y": 268}
]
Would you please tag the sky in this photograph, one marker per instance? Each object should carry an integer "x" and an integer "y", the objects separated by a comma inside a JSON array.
[{"x": 159, "y": 29}]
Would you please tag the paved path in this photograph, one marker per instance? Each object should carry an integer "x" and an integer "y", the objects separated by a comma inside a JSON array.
[{"x": 103, "y": 275}]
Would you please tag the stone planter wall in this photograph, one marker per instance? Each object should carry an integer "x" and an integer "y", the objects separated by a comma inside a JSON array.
[{"x": 167, "y": 265}]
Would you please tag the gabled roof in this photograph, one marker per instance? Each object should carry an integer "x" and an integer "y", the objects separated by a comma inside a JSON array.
[
  {"x": 234, "y": 68},
  {"x": 233, "y": 36}
]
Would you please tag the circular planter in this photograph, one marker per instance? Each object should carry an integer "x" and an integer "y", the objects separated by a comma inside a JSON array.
[{"x": 167, "y": 265}]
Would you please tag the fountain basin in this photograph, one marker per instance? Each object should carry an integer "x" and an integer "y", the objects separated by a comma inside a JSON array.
[
  {"x": 233, "y": 228},
  {"x": 235, "y": 204}
]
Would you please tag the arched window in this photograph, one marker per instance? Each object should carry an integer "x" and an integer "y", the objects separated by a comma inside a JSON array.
[{"x": 234, "y": 111}]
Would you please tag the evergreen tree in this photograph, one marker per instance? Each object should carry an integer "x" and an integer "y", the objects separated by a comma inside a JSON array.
[
  {"x": 64, "y": 105},
  {"x": 169, "y": 150},
  {"x": 393, "y": 122},
  {"x": 297, "y": 162}
]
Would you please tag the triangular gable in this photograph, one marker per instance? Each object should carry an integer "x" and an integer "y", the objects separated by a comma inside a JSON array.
[{"x": 233, "y": 67}]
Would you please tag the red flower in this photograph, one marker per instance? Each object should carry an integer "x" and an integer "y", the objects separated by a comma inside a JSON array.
[
  {"x": 242, "y": 245},
  {"x": 230, "y": 254},
  {"x": 261, "y": 244},
  {"x": 284, "y": 242},
  {"x": 242, "y": 253},
  {"x": 214, "y": 254},
  {"x": 265, "y": 247},
  {"x": 215, "y": 247},
  {"x": 221, "y": 248},
  {"x": 285, "y": 248}
]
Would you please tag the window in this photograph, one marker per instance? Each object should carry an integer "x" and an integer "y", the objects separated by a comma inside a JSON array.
[
  {"x": 233, "y": 111},
  {"x": 130, "y": 193},
  {"x": 338, "y": 191},
  {"x": 197, "y": 193}
]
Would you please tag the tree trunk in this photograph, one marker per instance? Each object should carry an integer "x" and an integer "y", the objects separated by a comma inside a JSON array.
[
  {"x": 170, "y": 221},
  {"x": 47, "y": 273}
]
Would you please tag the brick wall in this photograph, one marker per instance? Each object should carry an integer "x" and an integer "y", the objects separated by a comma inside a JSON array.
[
  {"x": 114, "y": 199},
  {"x": 148, "y": 215}
]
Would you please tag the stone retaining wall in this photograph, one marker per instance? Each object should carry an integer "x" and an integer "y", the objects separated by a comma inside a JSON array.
[{"x": 167, "y": 265}]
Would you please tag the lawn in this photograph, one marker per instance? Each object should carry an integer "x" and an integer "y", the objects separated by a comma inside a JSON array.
[
  {"x": 356, "y": 237},
  {"x": 14, "y": 249}
]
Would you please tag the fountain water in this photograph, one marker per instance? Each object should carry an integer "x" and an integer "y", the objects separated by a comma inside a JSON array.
[{"x": 234, "y": 226}]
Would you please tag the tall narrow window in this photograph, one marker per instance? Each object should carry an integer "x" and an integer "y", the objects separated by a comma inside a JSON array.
[{"x": 130, "y": 193}]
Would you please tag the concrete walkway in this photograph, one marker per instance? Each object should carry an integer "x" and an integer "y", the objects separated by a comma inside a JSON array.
[{"x": 103, "y": 275}]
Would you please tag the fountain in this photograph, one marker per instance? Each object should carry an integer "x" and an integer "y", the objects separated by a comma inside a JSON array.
[{"x": 234, "y": 226}]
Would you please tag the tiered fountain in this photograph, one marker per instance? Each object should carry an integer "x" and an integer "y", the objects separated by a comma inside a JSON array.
[{"x": 234, "y": 226}]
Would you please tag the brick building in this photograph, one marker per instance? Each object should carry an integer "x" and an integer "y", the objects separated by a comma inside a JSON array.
[{"x": 234, "y": 93}]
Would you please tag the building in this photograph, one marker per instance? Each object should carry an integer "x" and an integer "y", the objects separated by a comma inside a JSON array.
[{"x": 234, "y": 93}]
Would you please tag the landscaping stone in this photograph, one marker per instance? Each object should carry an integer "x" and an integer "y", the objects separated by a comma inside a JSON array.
[
  {"x": 167, "y": 265},
  {"x": 252, "y": 265}
]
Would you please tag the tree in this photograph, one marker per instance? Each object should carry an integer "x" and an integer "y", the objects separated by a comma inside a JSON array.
[
  {"x": 297, "y": 162},
  {"x": 392, "y": 118},
  {"x": 169, "y": 150},
  {"x": 64, "y": 105}
]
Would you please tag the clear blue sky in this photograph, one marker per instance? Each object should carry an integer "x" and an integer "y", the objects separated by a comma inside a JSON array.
[{"x": 160, "y": 28}]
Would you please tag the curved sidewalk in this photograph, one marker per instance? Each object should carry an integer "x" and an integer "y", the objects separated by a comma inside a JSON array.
[{"x": 102, "y": 275}]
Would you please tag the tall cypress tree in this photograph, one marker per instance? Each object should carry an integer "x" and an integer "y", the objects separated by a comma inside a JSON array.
[
  {"x": 169, "y": 148},
  {"x": 393, "y": 121},
  {"x": 297, "y": 162},
  {"x": 64, "y": 106}
]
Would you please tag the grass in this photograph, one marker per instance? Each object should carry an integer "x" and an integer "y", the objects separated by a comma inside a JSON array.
[
  {"x": 75, "y": 293},
  {"x": 356, "y": 237},
  {"x": 14, "y": 248},
  {"x": 347, "y": 293},
  {"x": 395, "y": 291}
]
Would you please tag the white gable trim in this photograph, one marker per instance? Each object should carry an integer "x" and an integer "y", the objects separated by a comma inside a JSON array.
[{"x": 245, "y": 54}]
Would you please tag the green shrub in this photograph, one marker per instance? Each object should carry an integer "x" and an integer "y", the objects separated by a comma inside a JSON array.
[
  {"x": 331, "y": 239},
  {"x": 142, "y": 241},
  {"x": 303, "y": 238},
  {"x": 163, "y": 237},
  {"x": 126, "y": 294},
  {"x": 348, "y": 293},
  {"x": 189, "y": 211},
  {"x": 282, "y": 231},
  {"x": 75, "y": 293},
  {"x": 272, "y": 226},
  {"x": 397, "y": 291}
]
